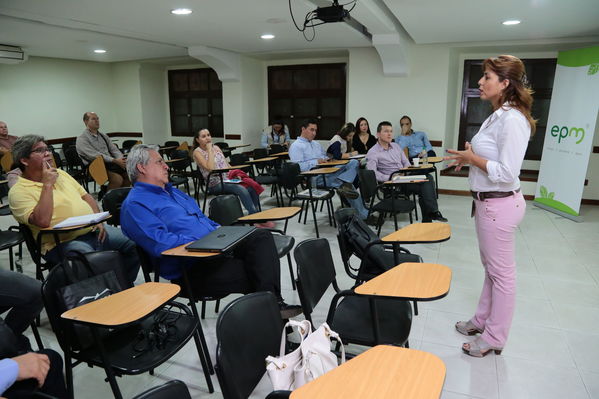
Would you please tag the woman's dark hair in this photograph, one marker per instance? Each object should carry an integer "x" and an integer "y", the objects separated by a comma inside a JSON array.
[
  {"x": 360, "y": 119},
  {"x": 517, "y": 93},
  {"x": 195, "y": 136},
  {"x": 277, "y": 121},
  {"x": 345, "y": 131}
]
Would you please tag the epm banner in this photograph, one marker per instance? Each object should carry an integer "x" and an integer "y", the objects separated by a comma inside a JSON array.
[{"x": 571, "y": 124}]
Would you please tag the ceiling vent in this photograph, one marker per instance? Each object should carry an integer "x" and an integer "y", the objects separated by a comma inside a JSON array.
[{"x": 12, "y": 55}]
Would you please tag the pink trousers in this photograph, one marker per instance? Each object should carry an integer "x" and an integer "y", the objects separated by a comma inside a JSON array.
[{"x": 496, "y": 222}]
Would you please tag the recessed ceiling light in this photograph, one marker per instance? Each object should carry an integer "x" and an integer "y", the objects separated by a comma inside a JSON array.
[
  {"x": 181, "y": 11},
  {"x": 267, "y": 36},
  {"x": 99, "y": 51},
  {"x": 511, "y": 22}
]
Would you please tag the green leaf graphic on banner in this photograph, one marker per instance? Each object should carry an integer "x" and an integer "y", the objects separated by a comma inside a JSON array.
[
  {"x": 593, "y": 69},
  {"x": 551, "y": 195},
  {"x": 543, "y": 192},
  {"x": 560, "y": 206}
]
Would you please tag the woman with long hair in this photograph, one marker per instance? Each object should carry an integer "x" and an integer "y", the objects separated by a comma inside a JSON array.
[
  {"x": 209, "y": 157},
  {"x": 363, "y": 140},
  {"x": 495, "y": 157},
  {"x": 340, "y": 146}
]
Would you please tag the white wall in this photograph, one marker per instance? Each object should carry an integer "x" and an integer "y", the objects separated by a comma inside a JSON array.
[
  {"x": 48, "y": 96},
  {"x": 127, "y": 100},
  {"x": 153, "y": 102}
]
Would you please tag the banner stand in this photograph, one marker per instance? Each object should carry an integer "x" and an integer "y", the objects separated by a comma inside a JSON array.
[{"x": 551, "y": 209}]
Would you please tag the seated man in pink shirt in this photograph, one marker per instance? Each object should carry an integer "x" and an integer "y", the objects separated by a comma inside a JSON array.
[{"x": 386, "y": 157}]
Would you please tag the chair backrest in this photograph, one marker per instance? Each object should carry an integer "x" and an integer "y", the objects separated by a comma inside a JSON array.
[
  {"x": 225, "y": 209},
  {"x": 68, "y": 144},
  {"x": 148, "y": 266},
  {"x": 127, "y": 144},
  {"x": 32, "y": 246},
  {"x": 342, "y": 215},
  {"x": 276, "y": 148},
  {"x": 289, "y": 175},
  {"x": 260, "y": 153},
  {"x": 314, "y": 273},
  {"x": 97, "y": 170},
  {"x": 248, "y": 330},
  {"x": 168, "y": 390},
  {"x": 6, "y": 161},
  {"x": 222, "y": 145},
  {"x": 72, "y": 158},
  {"x": 185, "y": 160},
  {"x": 112, "y": 202},
  {"x": 239, "y": 159},
  {"x": 100, "y": 262},
  {"x": 57, "y": 159},
  {"x": 368, "y": 184},
  {"x": 171, "y": 143}
]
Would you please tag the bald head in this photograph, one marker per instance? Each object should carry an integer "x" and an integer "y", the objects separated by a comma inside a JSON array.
[{"x": 92, "y": 121}]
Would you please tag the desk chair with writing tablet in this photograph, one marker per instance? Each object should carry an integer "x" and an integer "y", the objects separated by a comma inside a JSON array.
[
  {"x": 358, "y": 319},
  {"x": 389, "y": 202},
  {"x": 247, "y": 331},
  {"x": 226, "y": 210},
  {"x": 120, "y": 350}
]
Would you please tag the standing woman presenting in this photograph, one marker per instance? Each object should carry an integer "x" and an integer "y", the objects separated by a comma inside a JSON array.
[{"x": 495, "y": 157}]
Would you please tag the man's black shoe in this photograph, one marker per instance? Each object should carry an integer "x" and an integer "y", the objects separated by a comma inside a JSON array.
[
  {"x": 437, "y": 216},
  {"x": 348, "y": 190},
  {"x": 289, "y": 311}
]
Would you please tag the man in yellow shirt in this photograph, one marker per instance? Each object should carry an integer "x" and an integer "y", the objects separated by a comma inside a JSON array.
[{"x": 44, "y": 196}]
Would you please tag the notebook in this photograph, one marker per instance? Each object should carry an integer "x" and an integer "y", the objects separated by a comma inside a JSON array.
[{"x": 222, "y": 239}]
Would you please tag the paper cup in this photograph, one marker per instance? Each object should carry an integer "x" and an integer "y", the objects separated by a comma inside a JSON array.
[{"x": 416, "y": 161}]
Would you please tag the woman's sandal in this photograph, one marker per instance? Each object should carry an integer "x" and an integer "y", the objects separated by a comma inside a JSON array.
[
  {"x": 479, "y": 348},
  {"x": 467, "y": 328}
]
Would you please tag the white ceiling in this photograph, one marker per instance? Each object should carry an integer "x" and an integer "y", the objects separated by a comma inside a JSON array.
[{"x": 145, "y": 29}]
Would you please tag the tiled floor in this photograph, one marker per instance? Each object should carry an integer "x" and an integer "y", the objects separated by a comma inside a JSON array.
[{"x": 553, "y": 347}]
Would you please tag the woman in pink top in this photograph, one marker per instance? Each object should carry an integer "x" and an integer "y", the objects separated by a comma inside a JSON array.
[
  {"x": 495, "y": 157},
  {"x": 209, "y": 157}
]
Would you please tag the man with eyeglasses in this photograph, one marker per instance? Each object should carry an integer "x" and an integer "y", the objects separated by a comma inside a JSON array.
[{"x": 44, "y": 196}]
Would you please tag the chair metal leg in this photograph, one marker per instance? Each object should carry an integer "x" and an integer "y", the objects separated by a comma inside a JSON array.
[
  {"x": 291, "y": 271},
  {"x": 68, "y": 367},
  {"x": 415, "y": 308},
  {"x": 217, "y": 306},
  {"x": 36, "y": 334},
  {"x": 203, "y": 310},
  {"x": 205, "y": 360}
]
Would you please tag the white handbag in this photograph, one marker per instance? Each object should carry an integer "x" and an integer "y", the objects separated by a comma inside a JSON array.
[
  {"x": 317, "y": 357},
  {"x": 280, "y": 369},
  {"x": 310, "y": 360}
]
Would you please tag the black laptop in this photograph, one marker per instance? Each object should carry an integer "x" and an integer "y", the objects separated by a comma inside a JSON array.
[{"x": 222, "y": 239}]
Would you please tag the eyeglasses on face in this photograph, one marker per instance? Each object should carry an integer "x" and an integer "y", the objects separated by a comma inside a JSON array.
[{"x": 40, "y": 150}]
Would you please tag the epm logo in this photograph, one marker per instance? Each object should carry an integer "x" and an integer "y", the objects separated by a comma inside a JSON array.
[{"x": 564, "y": 131}]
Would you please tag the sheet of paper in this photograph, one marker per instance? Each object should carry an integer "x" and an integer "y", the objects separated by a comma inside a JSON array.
[{"x": 83, "y": 219}]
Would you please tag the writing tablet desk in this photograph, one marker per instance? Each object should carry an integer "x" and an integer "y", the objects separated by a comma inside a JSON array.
[
  {"x": 417, "y": 233},
  {"x": 335, "y": 162},
  {"x": 382, "y": 372},
  {"x": 411, "y": 281},
  {"x": 234, "y": 147},
  {"x": 280, "y": 154},
  {"x": 125, "y": 307},
  {"x": 57, "y": 231},
  {"x": 313, "y": 173},
  {"x": 273, "y": 214}
]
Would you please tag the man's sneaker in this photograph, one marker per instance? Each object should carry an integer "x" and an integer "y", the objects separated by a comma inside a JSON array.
[
  {"x": 289, "y": 311},
  {"x": 348, "y": 190},
  {"x": 437, "y": 216}
]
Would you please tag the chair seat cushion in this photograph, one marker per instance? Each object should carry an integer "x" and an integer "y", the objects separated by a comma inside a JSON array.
[
  {"x": 352, "y": 320},
  {"x": 10, "y": 239},
  {"x": 4, "y": 210},
  {"x": 283, "y": 243},
  {"x": 266, "y": 179},
  {"x": 398, "y": 205}
]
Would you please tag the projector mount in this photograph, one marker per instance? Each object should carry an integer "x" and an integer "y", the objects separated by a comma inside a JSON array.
[{"x": 323, "y": 15}]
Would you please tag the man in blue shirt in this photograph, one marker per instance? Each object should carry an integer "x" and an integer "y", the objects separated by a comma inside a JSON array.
[
  {"x": 308, "y": 153},
  {"x": 416, "y": 142},
  {"x": 157, "y": 217}
]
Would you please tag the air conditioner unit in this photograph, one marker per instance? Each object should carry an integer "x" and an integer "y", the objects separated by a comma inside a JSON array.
[{"x": 12, "y": 54}]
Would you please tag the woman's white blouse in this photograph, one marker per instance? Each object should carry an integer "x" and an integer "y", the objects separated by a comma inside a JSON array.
[{"x": 502, "y": 141}]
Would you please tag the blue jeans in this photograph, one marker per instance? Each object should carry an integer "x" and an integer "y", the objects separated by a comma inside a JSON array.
[
  {"x": 347, "y": 174},
  {"x": 248, "y": 197},
  {"x": 115, "y": 240}
]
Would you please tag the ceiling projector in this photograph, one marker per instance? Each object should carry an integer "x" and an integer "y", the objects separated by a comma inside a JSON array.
[{"x": 323, "y": 15}]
